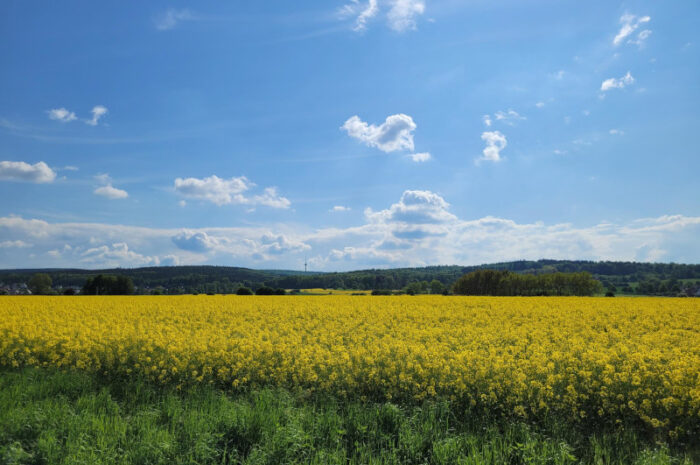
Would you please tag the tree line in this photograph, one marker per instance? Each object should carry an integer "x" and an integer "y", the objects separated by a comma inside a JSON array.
[
  {"x": 624, "y": 277},
  {"x": 507, "y": 283}
]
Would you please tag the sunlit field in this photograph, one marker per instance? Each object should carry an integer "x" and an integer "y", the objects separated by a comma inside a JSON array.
[{"x": 586, "y": 362}]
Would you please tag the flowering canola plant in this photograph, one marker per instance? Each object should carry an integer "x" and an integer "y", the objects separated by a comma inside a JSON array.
[{"x": 585, "y": 358}]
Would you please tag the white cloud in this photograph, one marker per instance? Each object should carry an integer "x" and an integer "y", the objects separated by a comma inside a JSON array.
[
  {"x": 228, "y": 191},
  {"x": 194, "y": 241},
  {"x": 172, "y": 17},
  {"x": 495, "y": 142},
  {"x": 414, "y": 208},
  {"x": 13, "y": 244},
  {"x": 339, "y": 208},
  {"x": 116, "y": 254},
  {"x": 107, "y": 190},
  {"x": 21, "y": 171},
  {"x": 278, "y": 244},
  {"x": 214, "y": 189},
  {"x": 111, "y": 192},
  {"x": 540, "y": 104},
  {"x": 616, "y": 132},
  {"x": 396, "y": 133},
  {"x": 620, "y": 83},
  {"x": 98, "y": 112},
  {"x": 630, "y": 23},
  {"x": 362, "y": 13},
  {"x": 509, "y": 117},
  {"x": 403, "y": 13},
  {"x": 270, "y": 198},
  {"x": 640, "y": 41},
  {"x": 61, "y": 114},
  {"x": 421, "y": 157},
  {"x": 487, "y": 120},
  {"x": 417, "y": 230}
]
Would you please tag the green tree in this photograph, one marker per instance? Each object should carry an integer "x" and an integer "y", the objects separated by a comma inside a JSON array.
[
  {"x": 108, "y": 285},
  {"x": 436, "y": 287},
  {"x": 40, "y": 283},
  {"x": 244, "y": 291}
]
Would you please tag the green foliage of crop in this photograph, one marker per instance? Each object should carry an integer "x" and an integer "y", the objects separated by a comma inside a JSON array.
[{"x": 61, "y": 417}]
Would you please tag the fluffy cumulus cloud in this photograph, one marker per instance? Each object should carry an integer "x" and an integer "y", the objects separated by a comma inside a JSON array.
[
  {"x": 419, "y": 229},
  {"x": 111, "y": 192},
  {"x": 394, "y": 134},
  {"x": 401, "y": 15},
  {"x": 61, "y": 114},
  {"x": 221, "y": 191},
  {"x": 620, "y": 83},
  {"x": 195, "y": 241},
  {"x": 21, "y": 171},
  {"x": 107, "y": 189},
  {"x": 98, "y": 112},
  {"x": 495, "y": 142},
  {"x": 629, "y": 25},
  {"x": 114, "y": 255},
  {"x": 280, "y": 244},
  {"x": 340, "y": 208}
]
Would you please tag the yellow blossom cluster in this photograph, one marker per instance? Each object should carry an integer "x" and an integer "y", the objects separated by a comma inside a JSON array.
[{"x": 613, "y": 359}]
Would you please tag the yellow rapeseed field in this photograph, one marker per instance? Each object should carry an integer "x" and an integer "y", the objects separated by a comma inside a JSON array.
[{"x": 614, "y": 359}]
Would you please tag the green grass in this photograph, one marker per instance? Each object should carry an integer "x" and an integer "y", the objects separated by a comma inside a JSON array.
[{"x": 59, "y": 417}]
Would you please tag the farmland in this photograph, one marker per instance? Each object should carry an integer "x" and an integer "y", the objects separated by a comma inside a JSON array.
[{"x": 624, "y": 365}]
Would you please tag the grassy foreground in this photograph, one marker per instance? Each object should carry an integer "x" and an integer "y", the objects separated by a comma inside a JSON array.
[{"x": 67, "y": 417}]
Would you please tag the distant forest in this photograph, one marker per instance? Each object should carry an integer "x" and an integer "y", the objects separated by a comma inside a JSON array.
[{"x": 620, "y": 277}]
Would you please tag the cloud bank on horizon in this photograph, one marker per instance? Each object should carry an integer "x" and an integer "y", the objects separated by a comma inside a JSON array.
[
  {"x": 360, "y": 133},
  {"x": 417, "y": 230}
]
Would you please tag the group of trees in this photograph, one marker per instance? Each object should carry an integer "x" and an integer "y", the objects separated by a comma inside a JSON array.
[
  {"x": 40, "y": 284},
  {"x": 507, "y": 283},
  {"x": 108, "y": 285}
]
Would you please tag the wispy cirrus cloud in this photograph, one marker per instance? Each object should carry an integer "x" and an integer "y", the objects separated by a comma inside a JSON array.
[
  {"x": 401, "y": 15},
  {"x": 421, "y": 157},
  {"x": 172, "y": 17},
  {"x": 629, "y": 24},
  {"x": 66, "y": 116}
]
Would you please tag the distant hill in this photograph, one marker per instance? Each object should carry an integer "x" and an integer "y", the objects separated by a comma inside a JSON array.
[{"x": 626, "y": 277}]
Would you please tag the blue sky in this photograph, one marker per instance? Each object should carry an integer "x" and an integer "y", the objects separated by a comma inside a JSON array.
[{"x": 368, "y": 133}]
